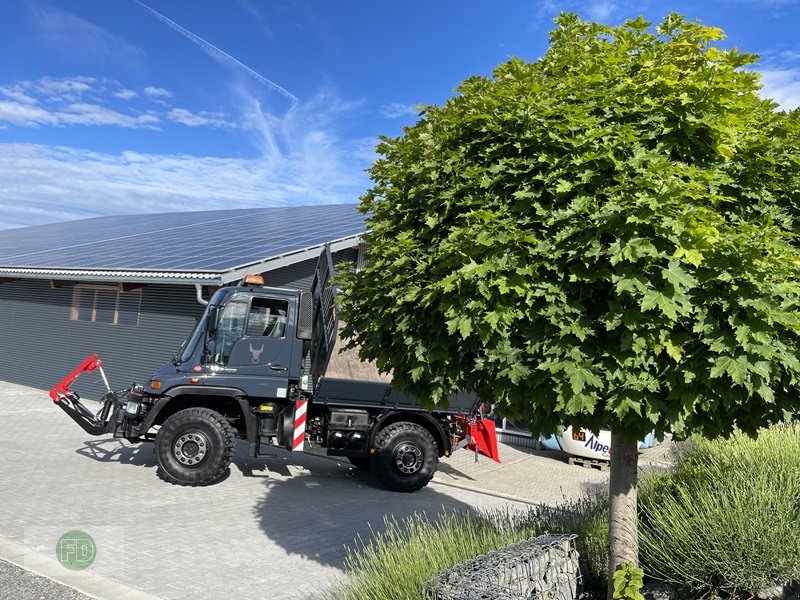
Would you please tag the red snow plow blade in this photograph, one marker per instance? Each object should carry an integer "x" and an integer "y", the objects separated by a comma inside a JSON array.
[{"x": 483, "y": 438}]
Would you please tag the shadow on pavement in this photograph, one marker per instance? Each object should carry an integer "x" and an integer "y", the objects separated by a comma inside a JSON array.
[
  {"x": 112, "y": 450},
  {"x": 595, "y": 488},
  {"x": 453, "y": 472},
  {"x": 340, "y": 505}
]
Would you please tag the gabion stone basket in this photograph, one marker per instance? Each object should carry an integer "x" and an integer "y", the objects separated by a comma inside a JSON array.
[{"x": 542, "y": 568}]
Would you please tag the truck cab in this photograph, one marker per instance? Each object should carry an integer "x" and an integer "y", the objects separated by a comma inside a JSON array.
[{"x": 247, "y": 340}]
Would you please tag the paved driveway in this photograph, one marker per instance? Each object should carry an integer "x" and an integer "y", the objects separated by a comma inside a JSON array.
[{"x": 276, "y": 528}]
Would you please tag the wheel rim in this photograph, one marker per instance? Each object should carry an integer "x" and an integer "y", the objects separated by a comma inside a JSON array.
[
  {"x": 408, "y": 458},
  {"x": 191, "y": 448}
]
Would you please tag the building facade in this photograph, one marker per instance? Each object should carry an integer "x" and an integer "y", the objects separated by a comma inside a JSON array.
[{"x": 57, "y": 308}]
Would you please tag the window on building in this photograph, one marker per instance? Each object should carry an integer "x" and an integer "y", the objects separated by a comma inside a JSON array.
[{"x": 105, "y": 304}]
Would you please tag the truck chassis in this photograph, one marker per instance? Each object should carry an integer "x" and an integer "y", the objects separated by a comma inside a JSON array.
[{"x": 254, "y": 369}]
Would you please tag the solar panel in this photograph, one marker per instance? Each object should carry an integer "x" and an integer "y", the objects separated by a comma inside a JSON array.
[{"x": 207, "y": 241}]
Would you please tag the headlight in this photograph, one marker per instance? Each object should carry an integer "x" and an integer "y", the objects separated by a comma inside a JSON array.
[{"x": 132, "y": 406}]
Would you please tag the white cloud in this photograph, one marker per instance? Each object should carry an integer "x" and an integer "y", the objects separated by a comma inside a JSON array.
[
  {"x": 26, "y": 114},
  {"x": 395, "y": 110},
  {"x": 304, "y": 139},
  {"x": 77, "y": 113},
  {"x": 17, "y": 93},
  {"x": 83, "y": 113},
  {"x": 609, "y": 12},
  {"x": 124, "y": 94},
  {"x": 66, "y": 87},
  {"x": 301, "y": 159},
  {"x": 156, "y": 92},
  {"x": 93, "y": 101},
  {"x": 782, "y": 85},
  {"x": 45, "y": 184},
  {"x": 81, "y": 37},
  {"x": 201, "y": 119},
  {"x": 259, "y": 18},
  {"x": 789, "y": 55},
  {"x": 50, "y": 89},
  {"x": 600, "y": 11}
]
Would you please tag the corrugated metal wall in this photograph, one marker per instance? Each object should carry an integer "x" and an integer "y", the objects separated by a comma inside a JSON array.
[{"x": 41, "y": 342}]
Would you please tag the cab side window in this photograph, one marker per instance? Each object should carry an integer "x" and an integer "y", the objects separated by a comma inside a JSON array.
[{"x": 267, "y": 318}]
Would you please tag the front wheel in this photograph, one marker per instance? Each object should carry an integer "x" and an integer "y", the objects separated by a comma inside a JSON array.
[
  {"x": 406, "y": 457},
  {"x": 194, "y": 447}
]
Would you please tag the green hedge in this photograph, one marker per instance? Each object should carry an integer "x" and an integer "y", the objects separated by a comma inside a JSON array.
[{"x": 728, "y": 517}]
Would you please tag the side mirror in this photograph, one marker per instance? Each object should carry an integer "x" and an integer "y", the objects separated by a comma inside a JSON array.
[
  {"x": 212, "y": 320},
  {"x": 305, "y": 316}
]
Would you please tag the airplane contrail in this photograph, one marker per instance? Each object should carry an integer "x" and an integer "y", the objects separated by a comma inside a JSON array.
[{"x": 215, "y": 52}]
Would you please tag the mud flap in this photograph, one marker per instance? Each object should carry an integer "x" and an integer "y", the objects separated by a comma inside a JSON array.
[{"x": 483, "y": 439}]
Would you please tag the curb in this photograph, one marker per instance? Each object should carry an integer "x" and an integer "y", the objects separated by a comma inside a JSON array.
[
  {"x": 94, "y": 586},
  {"x": 486, "y": 492}
]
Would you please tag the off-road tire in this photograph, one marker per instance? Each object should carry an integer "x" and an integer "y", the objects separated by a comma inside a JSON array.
[
  {"x": 406, "y": 457},
  {"x": 202, "y": 431},
  {"x": 361, "y": 462}
]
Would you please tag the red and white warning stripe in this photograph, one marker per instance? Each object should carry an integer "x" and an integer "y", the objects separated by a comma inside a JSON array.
[{"x": 299, "y": 425}]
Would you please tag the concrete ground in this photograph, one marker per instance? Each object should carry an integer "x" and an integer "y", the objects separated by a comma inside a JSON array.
[{"x": 275, "y": 528}]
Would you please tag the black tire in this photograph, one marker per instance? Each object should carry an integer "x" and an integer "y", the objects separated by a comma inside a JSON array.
[
  {"x": 194, "y": 447},
  {"x": 361, "y": 462},
  {"x": 406, "y": 457}
]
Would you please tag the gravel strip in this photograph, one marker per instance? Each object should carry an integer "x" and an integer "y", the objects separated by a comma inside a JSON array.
[{"x": 18, "y": 584}]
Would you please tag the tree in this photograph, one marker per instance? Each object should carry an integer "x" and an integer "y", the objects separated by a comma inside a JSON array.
[{"x": 599, "y": 238}]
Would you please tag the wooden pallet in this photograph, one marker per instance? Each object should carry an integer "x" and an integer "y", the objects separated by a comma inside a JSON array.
[{"x": 590, "y": 463}]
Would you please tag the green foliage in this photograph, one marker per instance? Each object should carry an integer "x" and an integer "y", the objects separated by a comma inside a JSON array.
[
  {"x": 601, "y": 238},
  {"x": 727, "y": 517},
  {"x": 399, "y": 561},
  {"x": 628, "y": 580}
]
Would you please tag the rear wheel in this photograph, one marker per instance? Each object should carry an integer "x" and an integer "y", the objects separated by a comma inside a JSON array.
[
  {"x": 194, "y": 447},
  {"x": 406, "y": 457}
]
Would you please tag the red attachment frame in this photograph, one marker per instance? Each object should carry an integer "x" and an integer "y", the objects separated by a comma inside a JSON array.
[
  {"x": 483, "y": 438},
  {"x": 478, "y": 435},
  {"x": 62, "y": 389}
]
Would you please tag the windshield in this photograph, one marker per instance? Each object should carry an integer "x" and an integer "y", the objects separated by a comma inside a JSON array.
[{"x": 191, "y": 343}]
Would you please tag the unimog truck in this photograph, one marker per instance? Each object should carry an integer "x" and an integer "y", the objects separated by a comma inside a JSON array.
[{"x": 254, "y": 368}]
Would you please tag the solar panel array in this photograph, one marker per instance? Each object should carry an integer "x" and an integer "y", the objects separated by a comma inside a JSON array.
[{"x": 208, "y": 241}]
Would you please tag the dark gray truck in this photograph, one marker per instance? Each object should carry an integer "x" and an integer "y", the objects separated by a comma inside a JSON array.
[{"x": 254, "y": 368}]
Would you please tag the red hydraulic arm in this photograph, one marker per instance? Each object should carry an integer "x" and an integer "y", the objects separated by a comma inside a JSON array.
[{"x": 62, "y": 389}]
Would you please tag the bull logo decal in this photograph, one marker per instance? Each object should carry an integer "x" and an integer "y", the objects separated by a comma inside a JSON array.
[{"x": 256, "y": 353}]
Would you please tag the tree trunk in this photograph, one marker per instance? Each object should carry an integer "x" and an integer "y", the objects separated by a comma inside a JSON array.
[{"x": 623, "y": 537}]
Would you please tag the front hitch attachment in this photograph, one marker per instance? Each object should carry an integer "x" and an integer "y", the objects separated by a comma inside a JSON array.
[{"x": 69, "y": 401}]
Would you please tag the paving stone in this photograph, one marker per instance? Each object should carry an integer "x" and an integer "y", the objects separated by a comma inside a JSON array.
[{"x": 274, "y": 528}]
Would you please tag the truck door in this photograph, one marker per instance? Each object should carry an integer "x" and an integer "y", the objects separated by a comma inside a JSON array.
[{"x": 251, "y": 346}]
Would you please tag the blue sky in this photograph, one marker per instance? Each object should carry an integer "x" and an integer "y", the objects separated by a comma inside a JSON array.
[{"x": 117, "y": 107}]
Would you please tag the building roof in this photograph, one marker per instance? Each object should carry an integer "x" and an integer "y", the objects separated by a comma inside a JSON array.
[{"x": 211, "y": 247}]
